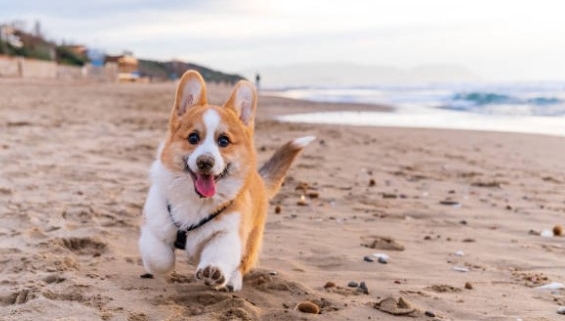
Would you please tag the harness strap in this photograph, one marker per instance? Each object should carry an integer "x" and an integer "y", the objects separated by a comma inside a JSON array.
[{"x": 180, "y": 241}]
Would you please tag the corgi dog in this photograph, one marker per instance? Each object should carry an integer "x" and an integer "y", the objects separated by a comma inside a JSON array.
[{"x": 207, "y": 195}]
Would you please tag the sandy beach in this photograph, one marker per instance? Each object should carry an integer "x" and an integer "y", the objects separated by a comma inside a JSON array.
[{"x": 458, "y": 214}]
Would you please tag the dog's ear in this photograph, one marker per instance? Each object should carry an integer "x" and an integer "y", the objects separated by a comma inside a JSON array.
[
  {"x": 243, "y": 101},
  {"x": 191, "y": 91}
]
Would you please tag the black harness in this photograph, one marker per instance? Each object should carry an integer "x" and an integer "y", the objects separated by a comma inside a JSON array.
[{"x": 180, "y": 242}]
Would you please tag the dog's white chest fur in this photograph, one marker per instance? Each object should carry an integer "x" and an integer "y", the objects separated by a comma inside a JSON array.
[{"x": 186, "y": 208}]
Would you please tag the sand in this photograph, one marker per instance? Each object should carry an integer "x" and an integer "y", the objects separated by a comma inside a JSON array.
[{"x": 453, "y": 210}]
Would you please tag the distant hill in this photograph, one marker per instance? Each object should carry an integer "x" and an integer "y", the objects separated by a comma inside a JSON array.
[
  {"x": 14, "y": 41},
  {"x": 158, "y": 70}
]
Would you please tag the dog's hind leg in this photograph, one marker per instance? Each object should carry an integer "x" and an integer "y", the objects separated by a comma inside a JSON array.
[{"x": 252, "y": 250}]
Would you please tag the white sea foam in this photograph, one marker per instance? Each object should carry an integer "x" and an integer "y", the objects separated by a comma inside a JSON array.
[{"x": 442, "y": 120}]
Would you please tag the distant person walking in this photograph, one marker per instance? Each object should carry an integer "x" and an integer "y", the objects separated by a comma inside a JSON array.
[{"x": 258, "y": 81}]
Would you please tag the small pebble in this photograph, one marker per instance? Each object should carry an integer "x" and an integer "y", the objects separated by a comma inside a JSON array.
[
  {"x": 53, "y": 278},
  {"x": 363, "y": 287},
  {"x": 558, "y": 230},
  {"x": 381, "y": 258},
  {"x": 430, "y": 314},
  {"x": 389, "y": 195},
  {"x": 313, "y": 194},
  {"x": 367, "y": 258},
  {"x": 273, "y": 273},
  {"x": 329, "y": 284},
  {"x": 146, "y": 276},
  {"x": 302, "y": 201},
  {"x": 459, "y": 253},
  {"x": 379, "y": 255},
  {"x": 301, "y": 186},
  {"x": 546, "y": 233},
  {"x": 449, "y": 203},
  {"x": 561, "y": 310},
  {"x": 463, "y": 222},
  {"x": 372, "y": 182},
  {"x": 460, "y": 269},
  {"x": 308, "y": 307},
  {"x": 468, "y": 286},
  {"x": 552, "y": 286},
  {"x": 278, "y": 209},
  {"x": 352, "y": 284}
]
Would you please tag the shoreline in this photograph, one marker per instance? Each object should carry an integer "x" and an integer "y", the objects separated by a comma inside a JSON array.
[
  {"x": 459, "y": 207},
  {"x": 501, "y": 124},
  {"x": 280, "y": 106}
]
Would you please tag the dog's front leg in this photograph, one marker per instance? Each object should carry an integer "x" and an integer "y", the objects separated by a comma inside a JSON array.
[
  {"x": 158, "y": 255},
  {"x": 219, "y": 261},
  {"x": 157, "y": 236}
]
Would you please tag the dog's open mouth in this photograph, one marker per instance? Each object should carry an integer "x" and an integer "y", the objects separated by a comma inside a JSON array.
[{"x": 205, "y": 184}]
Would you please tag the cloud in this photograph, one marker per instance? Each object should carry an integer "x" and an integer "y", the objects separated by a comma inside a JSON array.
[{"x": 235, "y": 35}]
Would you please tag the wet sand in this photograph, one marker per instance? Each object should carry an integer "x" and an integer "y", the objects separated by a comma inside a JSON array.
[{"x": 457, "y": 212}]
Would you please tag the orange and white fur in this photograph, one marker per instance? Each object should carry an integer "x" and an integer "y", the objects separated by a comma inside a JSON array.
[{"x": 208, "y": 162}]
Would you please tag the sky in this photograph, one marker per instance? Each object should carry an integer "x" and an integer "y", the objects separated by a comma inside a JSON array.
[{"x": 494, "y": 39}]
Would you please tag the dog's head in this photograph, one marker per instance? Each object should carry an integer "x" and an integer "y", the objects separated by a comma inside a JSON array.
[{"x": 211, "y": 144}]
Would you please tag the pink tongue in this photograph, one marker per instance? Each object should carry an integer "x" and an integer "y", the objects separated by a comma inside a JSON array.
[{"x": 205, "y": 185}]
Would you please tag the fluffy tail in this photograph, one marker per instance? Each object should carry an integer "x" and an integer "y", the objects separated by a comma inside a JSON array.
[{"x": 274, "y": 170}]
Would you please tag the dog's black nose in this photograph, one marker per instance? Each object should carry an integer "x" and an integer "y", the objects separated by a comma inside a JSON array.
[{"x": 205, "y": 162}]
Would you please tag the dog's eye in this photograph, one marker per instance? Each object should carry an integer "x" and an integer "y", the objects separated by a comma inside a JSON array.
[
  {"x": 193, "y": 138},
  {"x": 223, "y": 141}
]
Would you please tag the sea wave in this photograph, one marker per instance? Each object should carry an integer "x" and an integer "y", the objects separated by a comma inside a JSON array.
[
  {"x": 498, "y": 103},
  {"x": 526, "y": 99}
]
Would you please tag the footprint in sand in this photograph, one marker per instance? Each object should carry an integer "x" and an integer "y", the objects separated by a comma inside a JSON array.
[
  {"x": 17, "y": 297},
  {"x": 264, "y": 281},
  {"x": 85, "y": 245},
  {"x": 261, "y": 291},
  {"x": 77, "y": 293},
  {"x": 381, "y": 243},
  {"x": 443, "y": 288},
  {"x": 394, "y": 306},
  {"x": 214, "y": 305},
  {"x": 331, "y": 287}
]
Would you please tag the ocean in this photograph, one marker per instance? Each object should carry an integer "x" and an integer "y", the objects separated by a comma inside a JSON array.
[{"x": 536, "y": 107}]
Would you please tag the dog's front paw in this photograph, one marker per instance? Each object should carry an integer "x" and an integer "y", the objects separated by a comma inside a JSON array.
[
  {"x": 211, "y": 275},
  {"x": 235, "y": 282}
]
